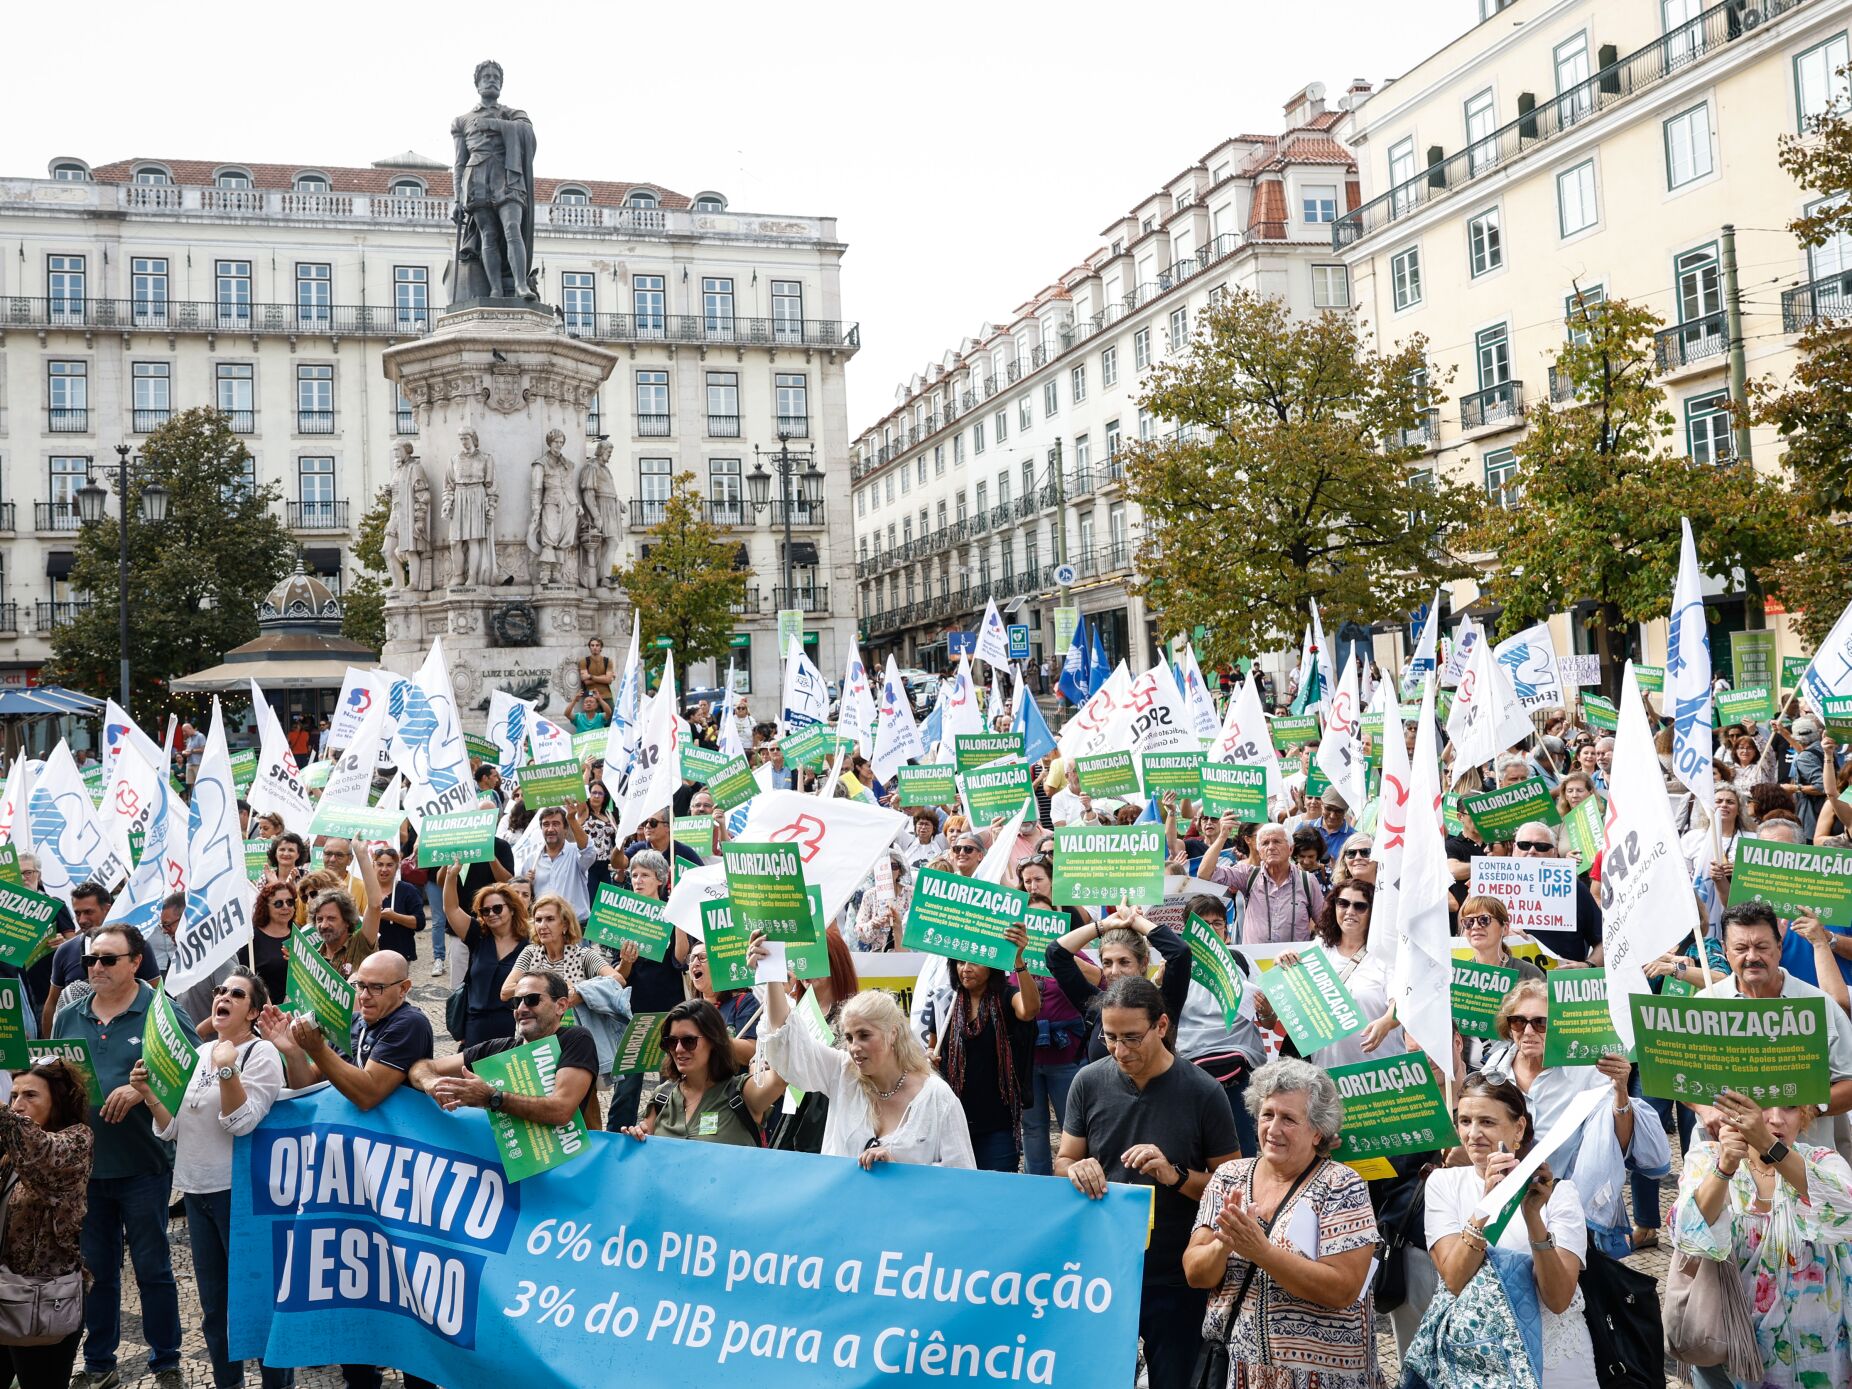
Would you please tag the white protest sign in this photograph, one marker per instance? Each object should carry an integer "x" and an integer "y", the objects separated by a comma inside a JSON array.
[
  {"x": 1538, "y": 893},
  {"x": 1579, "y": 670}
]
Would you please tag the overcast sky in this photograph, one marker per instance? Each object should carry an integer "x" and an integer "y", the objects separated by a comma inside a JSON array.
[{"x": 971, "y": 152}]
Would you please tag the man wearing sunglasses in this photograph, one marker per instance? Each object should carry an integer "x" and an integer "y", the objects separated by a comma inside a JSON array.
[
  {"x": 1538, "y": 840},
  {"x": 539, "y": 1000},
  {"x": 90, "y": 903},
  {"x": 389, "y": 1036},
  {"x": 131, "y": 1170}
]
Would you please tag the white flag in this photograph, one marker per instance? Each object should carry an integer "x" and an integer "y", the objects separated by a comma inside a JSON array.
[
  {"x": 806, "y": 696},
  {"x": 1340, "y": 750},
  {"x": 1645, "y": 891},
  {"x": 548, "y": 741},
  {"x": 1829, "y": 673},
  {"x": 1391, "y": 833},
  {"x": 1465, "y": 638},
  {"x": 694, "y": 887},
  {"x": 1688, "y": 678},
  {"x": 657, "y": 770},
  {"x": 838, "y": 840},
  {"x": 1202, "y": 718},
  {"x": 1246, "y": 739},
  {"x": 731, "y": 744},
  {"x": 162, "y": 868},
  {"x": 1529, "y": 661},
  {"x": 993, "y": 643},
  {"x": 1426, "y": 648},
  {"x": 131, "y": 800},
  {"x": 119, "y": 731},
  {"x": 428, "y": 746},
  {"x": 278, "y": 787},
  {"x": 1486, "y": 719},
  {"x": 15, "y": 818},
  {"x": 855, "y": 716},
  {"x": 627, "y": 700},
  {"x": 359, "y": 694},
  {"x": 897, "y": 737},
  {"x": 65, "y": 832},
  {"x": 351, "y": 781},
  {"x": 219, "y": 895},
  {"x": 510, "y": 717},
  {"x": 1091, "y": 729},
  {"x": 1421, "y": 977},
  {"x": 1153, "y": 717},
  {"x": 962, "y": 712}
]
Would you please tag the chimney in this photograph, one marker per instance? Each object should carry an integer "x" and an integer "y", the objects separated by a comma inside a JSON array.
[{"x": 1305, "y": 105}]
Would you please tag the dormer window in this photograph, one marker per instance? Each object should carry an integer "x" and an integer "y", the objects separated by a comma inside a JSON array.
[
  {"x": 408, "y": 188},
  {"x": 231, "y": 178},
  {"x": 154, "y": 175},
  {"x": 710, "y": 202},
  {"x": 312, "y": 183},
  {"x": 577, "y": 197},
  {"x": 69, "y": 171},
  {"x": 641, "y": 197}
]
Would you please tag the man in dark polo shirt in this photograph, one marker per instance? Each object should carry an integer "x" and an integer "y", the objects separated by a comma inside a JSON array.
[
  {"x": 90, "y": 904},
  {"x": 539, "y": 1000},
  {"x": 131, "y": 1169}
]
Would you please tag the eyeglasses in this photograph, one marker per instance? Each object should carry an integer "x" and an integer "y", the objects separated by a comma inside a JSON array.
[
  {"x": 106, "y": 961},
  {"x": 227, "y": 991},
  {"x": 1128, "y": 1039},
  {"x": 1477, "y": 919},
  {"x": 681, "y": 1041},
  {"x": 372, "y": 990},
  {"x": 1352, "y": 904},
  {"x": 964, "y": 848},
  {"x": 1536, "y": 846},
  {"x": 650, "y": 825},
  {"x": 1036, "y": 861},
  {"x": 1357, "y": 853},
  {"x": 282, "y": 901},
  {"x": 1522, "y": 1021},
  {"x": 494, "y": 908},
  {"x": 529, "y": 1000}
]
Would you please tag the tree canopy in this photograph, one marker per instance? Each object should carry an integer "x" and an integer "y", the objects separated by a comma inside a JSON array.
[
  {"x": 685, "y": 583},
  {"x": 363, "y": 605}
]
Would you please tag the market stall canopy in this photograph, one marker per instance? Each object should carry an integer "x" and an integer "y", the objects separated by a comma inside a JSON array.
[{"x": 46, "y": 701}]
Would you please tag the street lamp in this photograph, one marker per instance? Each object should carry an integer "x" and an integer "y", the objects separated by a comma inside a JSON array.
[
  {"x": 786, "y": 465},
  {"x": 91, "y": 501}
]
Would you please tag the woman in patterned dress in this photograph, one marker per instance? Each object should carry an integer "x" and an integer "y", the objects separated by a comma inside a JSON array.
[{"x": 1285, "y": 1239}]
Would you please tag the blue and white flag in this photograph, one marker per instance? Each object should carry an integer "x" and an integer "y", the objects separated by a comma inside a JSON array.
[
  {"x": 855, "y": 710},
  {"x": 993, "y": 643},
  {"x": 1037, "y": 741},
  {"x": 510, "y": 717},
  {"x": 1196, "y": 698},
  {"x": 1426, "y": 649},
  {"x": 1099, "y": 670},
  {"x": 428, "y": 744},
  {"x": 963, "y": 711},
  {"x": 120, "y": 731},
  {"x": 896, "y": 736},
  {"x": 220, "y": 896},
  {"x": 806, "y": 696},
  {"x": 1688, "y": 677},
  {"x": 359, "y": 695},
  {"x": 1829, "y": 673},
  {"x": 627, "y": 702},
  {"x": 932, "y": 732},
  {"x": 162, "y": 868},
  {"x": 1529, "y": 659},
  {"x": 1073, "y": 681},
  {"x": 65, "y": 831},
  {"x": 278, "y": 787}
]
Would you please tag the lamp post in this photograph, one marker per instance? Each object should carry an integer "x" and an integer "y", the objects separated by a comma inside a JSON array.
[
  {"x": 786, "y": 465},
  {"x": 92, "y": 499}
]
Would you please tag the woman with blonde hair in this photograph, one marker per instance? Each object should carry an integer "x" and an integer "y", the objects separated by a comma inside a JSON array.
[
  {"x": 886, "y": 1102},
  {"x": 558, "y": 944},
  {"x": 1572, "y": 790}
]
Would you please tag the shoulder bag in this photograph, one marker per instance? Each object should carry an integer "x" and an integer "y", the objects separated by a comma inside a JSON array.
[
  {"x": 36, "y": 1311},
  {"x": 1621, "y": 1306},
  {"x": 1707, "y": 1317}
]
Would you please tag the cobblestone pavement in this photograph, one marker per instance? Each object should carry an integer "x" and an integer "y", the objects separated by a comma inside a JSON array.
[{"x": 429, "y": 995}]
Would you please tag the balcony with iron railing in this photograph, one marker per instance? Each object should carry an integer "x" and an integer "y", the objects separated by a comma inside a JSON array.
[
  {"x": 794, "y": 426},
  {"x": 7, "y": 510},
  {"x": 749, "y": 600},
  {"x": 809, "y": 598},
  {"x": 1687, "y": 344},
  {"x": 147, "y": 421},
  {"x": 1496, "y": 407},
  {"x": 1000, "y": 515},
  {"x": 804, "y": 511},
  {"x": 647, "y": 511},
  {"x": 319, "y": 514},
  {"x": 1078, "y": 481},
  {"x": 1817, "y": 301},
  {"x": 726, "y": 511},
  {"x": 240, "y": 421},
  {"x": 1425, "y": 434},
  {"x": 314, "y": 421},
  {"x": 55, "y": 517},
  {"x": 653, "y": 426},
  {"x": 723, "y": 426},
  {"x": 9, "y": 617},
  {"x": 1562, "y": 389},
  {"x": 1640, "y": 70},
  {"x": 64, "y": 419},
  {"x": 406, "y": 422},
  {"x": 50, "y": 615}
]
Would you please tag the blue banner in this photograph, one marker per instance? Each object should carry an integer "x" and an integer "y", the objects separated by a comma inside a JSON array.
[{"x": 392, "y": 1238}]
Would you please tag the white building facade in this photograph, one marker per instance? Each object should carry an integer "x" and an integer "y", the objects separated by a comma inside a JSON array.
[
  {"x": 135, "y": 290},
  {"x": 1003, "y": 459}
]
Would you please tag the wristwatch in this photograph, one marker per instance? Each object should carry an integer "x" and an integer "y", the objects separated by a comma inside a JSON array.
[
  {"x": 1776, "y": 1153},
  {"x": 496, "y": 1100},
  {"x": 1183, "y": 1175},
  {"x": 225, "y": 1073}
]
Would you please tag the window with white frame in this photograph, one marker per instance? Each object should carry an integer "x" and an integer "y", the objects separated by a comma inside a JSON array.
[
  {"x": 1818, "y": 85},
  {"x": 723, "y": 491},
  {"x": 1492, "y": 350},
  {"x": 1077, "y": 383},
  {"x": 1688, "y": 146},
  {"x": 65, "y": 288},
  {"x": 1109, "y": 367},
  {"x": 1485, "y": 246},
  {"x": 232, "y": 279},
  {"x": 314, "y": 293},
  {"x": 1003, "y": 425},
  {"x": 1112, "y": 439},
  {"x": 1501, "y": 479},
  {"x": 153, "y": 382},
  {"x": 1402, "y": 173},
  {"x": 1330, "y": 287},
  {"x": 1318, "y": 202},
  {"x": 1684, "y": 40},
  {"x": 654, "y": 480},
  {"x": 1003, "y": 489},
  {"x": 1580, "y": 311},
  {"x": 788, "y": 310},
  {"x": 1025, "y": 419},
  {"x": 1405, "y": 277},
  {"x": 793, "y": 400},
  {"x": 1179, "y": 328},
  {"x": 977, "y": 441},
  {"x": 647, "y": 303},
  {"x": 1051, "y": 398},
  {"x": 1707, "y": 428},
  {"x": 906, "y": 479},
  {"x": 1575, "y": 199},
  {"x": 411, "y": 295},
  {"x": 1700, "y": 284},
  {"x": 1481, "y": 121},
  {"x": 1141, "y": 349},
  {"x": 1573, "y": 98},
  {"x": 1834, "y": 255},
  {"x": 314, "y": 399},
  {"x": 1083, "y": 453},
  {"x": 652, "y": 402},
  {"x": 148, "y": 284},
  {"x": 579, "y": 298},
  {"x": 938, "y": 459},
  {"x": 315, "y": 489},
  {"x": 861, "y": 509}
]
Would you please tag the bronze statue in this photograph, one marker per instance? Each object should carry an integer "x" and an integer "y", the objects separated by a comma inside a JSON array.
[
  {"x": 494, "y": 189},
  {"x": 408, "y": 526},
  {"x": 469, "y": 505},
  {"x": 552, "y": 510}
]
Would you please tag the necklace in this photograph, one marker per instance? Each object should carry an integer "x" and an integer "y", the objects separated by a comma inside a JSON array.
[{"x": 885, "y": 1095}]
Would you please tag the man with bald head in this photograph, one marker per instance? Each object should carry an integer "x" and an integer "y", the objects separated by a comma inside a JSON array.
[
  {"x": 389, "y": 1036},
  {"x": 1538, "y": 840}
]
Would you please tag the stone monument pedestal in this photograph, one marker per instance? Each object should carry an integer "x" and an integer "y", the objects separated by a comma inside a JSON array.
[{"x": 509, "y": 373}]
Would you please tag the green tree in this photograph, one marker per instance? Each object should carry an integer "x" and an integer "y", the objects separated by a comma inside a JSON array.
[
  {"x": 1602, "y": 494},
  {"x": 685, "y": 583},
  {"x": 1294, "y": 475},
  {"x": 195, "y": 580},
  {"x": 363, "y": 606}
]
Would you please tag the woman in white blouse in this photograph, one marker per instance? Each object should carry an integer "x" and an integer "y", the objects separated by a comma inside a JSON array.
[
  {"x": 235, "y": 1082},
  {"x": 886, "y": 1102}
]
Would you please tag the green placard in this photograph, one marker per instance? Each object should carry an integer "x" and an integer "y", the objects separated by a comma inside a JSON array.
[
  {"x": 732, "y": 784},
  {"x": 356, "y": 822},
  {"x": 551, "y": 783},
  {"x": 315, "y": 775},
  {"x": 993, "y": 792},
  {"x": 244, "y": 769},
  {"x": 1103, "y": 865},
  {"x": 808, "y": 747},
  {"x": 620, "y": 915},
  {"x": 810, "y": 961},
  {"x": 1497, "y": 814},
  {"x": 1675, "y": 988},
  {"x": 1652, "y": 678},
  {"x": 934, "y": 784},
  {"x": 1837, "y": 712},
  {"x": 963, "y": 918},
  {"x": 639, "y": 1050},
  {"x": 75, "y": 1050},
  {"x": 589, "y": 743},
  {"x": 15, "y": 1050},
  {"x": 1173, "y": 771},
  {"x": 1792, "y": 668},
  {"x": 698, "y": 764},
  {"x": 1581, "y": 1030},
  {"x": 1450, "y": 813},
  {"x": 9, "y": 865},
  {"x": 316, "y": 987},
  {"x": 1214, "y": 967},
  {"x": 766, "y": 883},
  {"x": 457, "y": 840},
  {"x": 482, "y": 749},
  {"x": 974, "y": 750},
  {"x": 256, "y": 858},
  {"x": 1770, "y": 1049},
  {"x": 1794, "y": 879},
  {"x": 1291, "y": 731},
  {"x": 1600, "y": 713},
  {"x": 726, "y": 944},
  {"x": 1236, "y": 787},
  {"x": 696, "y": 831},
  {"x": 167, "y": 1051},
  {"x": 528, "y": 1148},
  {"x": 25, "y": 919},
  {"x": 1066, "y": 620},
  {"x": 1045, "y": 927},
  {"x": 1311, "y": 1002},
  {"x": 1752, "y": 658},
  {"x": 1107, "y": 774},
  {"x": 1477, "y": 991},
  {"x": 1392, "y": 1107},
  {"x": 1585, "y": 826},
  {"x": 1755, "y": 702}
]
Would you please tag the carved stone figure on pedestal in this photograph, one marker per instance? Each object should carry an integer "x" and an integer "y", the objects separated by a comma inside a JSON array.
[
  {"x": 408, "y": 525},
  {"x": 553, "y": 511},
  {"x": 494, "y": 171},
  {"x": 603, "y": 522},
  {"x": 469, "y": 505}
]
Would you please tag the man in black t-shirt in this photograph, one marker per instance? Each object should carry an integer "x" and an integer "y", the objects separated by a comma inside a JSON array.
[{"x": 539, "y": 1000}]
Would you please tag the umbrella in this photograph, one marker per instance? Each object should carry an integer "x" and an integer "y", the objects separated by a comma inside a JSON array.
[{"x": 46, "y": 701}]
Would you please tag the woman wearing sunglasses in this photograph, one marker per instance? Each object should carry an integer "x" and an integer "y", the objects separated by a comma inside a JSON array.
[
  {"x": 235, "y": 1082},
  {"x": 1353, "y": 863},
  {"x": 707, "y": 1095},
  {"x": 276, "y": 918},
  {"x": 1343, "y": 928}
]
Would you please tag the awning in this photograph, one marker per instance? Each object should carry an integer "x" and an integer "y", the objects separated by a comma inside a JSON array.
[
  {"x": 272, "y": 675},
  {"x": 45, "y": 701},
  {"x": 59, "y": 563}
]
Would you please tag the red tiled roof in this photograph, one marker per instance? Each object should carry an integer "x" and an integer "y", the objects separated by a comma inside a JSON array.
[
  {"x": 1269, "y": 203},
  {"x": 199, "y": 173}
]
